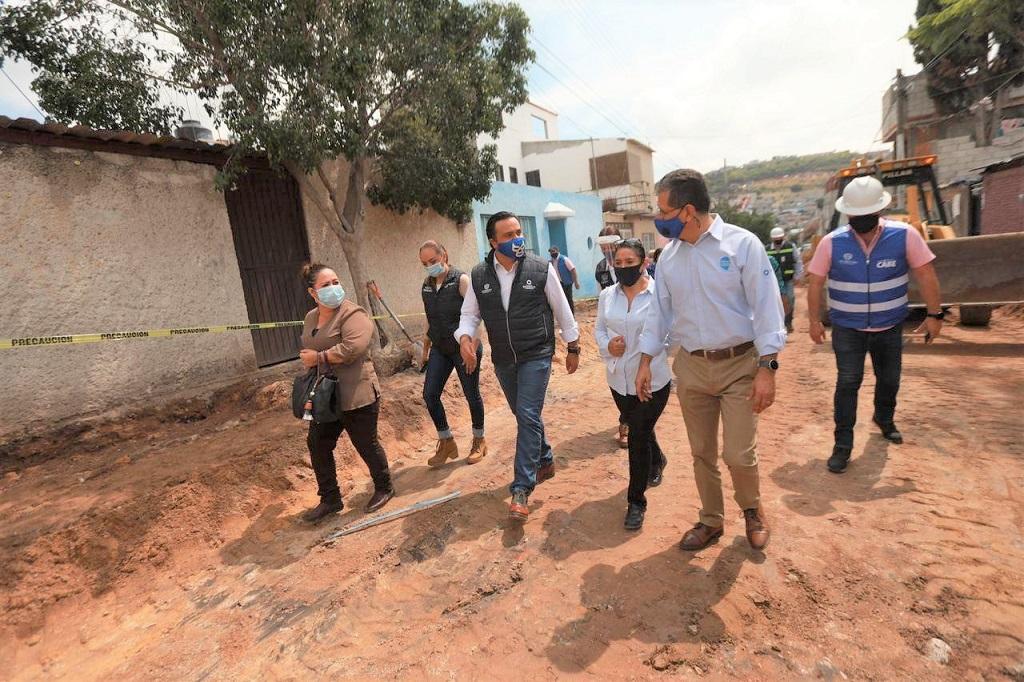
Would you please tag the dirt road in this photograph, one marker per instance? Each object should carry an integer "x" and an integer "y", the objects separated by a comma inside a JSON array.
[{"x": 168, "y": 547}]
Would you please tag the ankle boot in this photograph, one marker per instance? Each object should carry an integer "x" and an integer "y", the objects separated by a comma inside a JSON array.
[
  {"x": 446, "y": 449},
  {"x": 478, "y": 451}
]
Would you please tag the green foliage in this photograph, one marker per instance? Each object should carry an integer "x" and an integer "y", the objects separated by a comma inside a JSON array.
[
  {"x": 973, "y": 49},
  {"x": 759, "y": 223},
  {"x": 720, "y": 180},
  {"x": 407, "y": 85}
]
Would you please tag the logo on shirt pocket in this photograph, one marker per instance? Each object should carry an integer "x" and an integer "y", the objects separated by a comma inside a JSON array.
[
  {"x": 724, "y": 262},
  {"x": 529, "y": 286}
]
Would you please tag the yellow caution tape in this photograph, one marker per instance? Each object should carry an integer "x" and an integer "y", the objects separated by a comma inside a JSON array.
[{"x": 65, "y": 339}]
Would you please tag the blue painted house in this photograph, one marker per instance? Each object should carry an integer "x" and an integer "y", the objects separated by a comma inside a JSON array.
[{"x": 549, "y": 217}]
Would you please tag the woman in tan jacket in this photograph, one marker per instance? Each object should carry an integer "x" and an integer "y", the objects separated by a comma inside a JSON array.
[{"x": 338, "y": 332}]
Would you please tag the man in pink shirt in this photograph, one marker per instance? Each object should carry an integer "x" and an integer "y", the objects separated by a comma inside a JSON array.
[{"x": 868, "y": 264}]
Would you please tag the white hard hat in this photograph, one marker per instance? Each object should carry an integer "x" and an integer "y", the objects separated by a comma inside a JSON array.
[
  {"x": 863, "y": 196},
  {"x": 777, "y": 233}
]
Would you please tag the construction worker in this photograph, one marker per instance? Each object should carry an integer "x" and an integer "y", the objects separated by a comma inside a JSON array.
[
  {"x": 518, "y": 297},
  {"x": 867, "y": 264},
  {"x": 792, "y": 267},
  {"x": 566, "y": 274},
  {"x": 718, "y": 300},
  {"x": 443, "y": 291}
]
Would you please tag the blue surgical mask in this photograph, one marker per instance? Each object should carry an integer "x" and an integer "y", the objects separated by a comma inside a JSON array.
[
  {"x": 671, "y": 228},
  {"x": 331, "y": 296},
  {"x": 435, "y": 269},
  {"x": 514, "y": 248}
]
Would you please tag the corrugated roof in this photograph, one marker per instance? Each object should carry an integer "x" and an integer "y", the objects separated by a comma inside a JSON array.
[{"x": 87, "y": 133}]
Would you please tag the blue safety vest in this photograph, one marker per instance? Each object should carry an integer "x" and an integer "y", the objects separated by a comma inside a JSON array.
[
  {"x": 869, "y": 291},
  {"x": 564, "y": 273}
]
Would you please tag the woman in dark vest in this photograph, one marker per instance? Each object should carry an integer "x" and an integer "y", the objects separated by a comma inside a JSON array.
[
  {"x": 337, "y": 333},
  {"x": 443, "y": 292}
]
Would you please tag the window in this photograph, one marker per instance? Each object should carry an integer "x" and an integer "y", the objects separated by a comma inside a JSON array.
[
  {"x": 540, "y": 127},
  {"x": 529, "y": 225},
  {"x": 499, "y": 175},
  {"x": 648, "y": 240},
  {"x": 513, "y": 175},
  {"x": 533, "y": 178}
]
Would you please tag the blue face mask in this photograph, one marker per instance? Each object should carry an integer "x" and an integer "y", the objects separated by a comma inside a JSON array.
[
  {"x": 514, "y": 248},
  {"x": 331, "y": 296},
  {"x": 671, "y": 228},
  {"x": 435, "y": 270}
]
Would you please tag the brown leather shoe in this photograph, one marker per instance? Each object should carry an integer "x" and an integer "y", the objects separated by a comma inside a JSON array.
[
  {"x": 757, "y": 531},
  {"x": 478, "y": 451},
  {"x": 699, "y": 537},
  {"x": 519, "y": 510},
  {"x": 379, "y": 499},
  {"x": 623, "y": 437},
  {"x": 446, "y": 449},
  {"x": 545, "y": 472}
]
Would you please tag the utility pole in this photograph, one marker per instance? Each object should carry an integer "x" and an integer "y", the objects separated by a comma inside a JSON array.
[
  {"x": 593, "y": 165},
  {"x": 902, "y": 143}
]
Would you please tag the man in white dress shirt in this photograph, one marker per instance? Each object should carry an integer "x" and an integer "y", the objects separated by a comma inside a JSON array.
[
  {"x": 518, "y": 296},
  {"x": 718, "y": 300}
]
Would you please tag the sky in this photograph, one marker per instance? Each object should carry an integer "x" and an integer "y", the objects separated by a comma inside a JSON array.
[{"x": 703, "y": 82}]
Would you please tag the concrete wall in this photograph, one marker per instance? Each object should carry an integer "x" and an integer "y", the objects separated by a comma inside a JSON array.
[
  {"x": 518, "y": 129},
  {"x": 391, "y": 253},
  {"x": 565, "y": 164},
  {"x": 958, "y": 156},
  {"x": 94, "y": 242},
  {"x": 1003, "y": 201},
  {"x": 580, "y": 231}
]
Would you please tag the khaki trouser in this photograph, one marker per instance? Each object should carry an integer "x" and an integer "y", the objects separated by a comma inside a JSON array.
[{"x": 707, "y": 389}]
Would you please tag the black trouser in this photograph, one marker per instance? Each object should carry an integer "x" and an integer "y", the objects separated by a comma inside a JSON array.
[
  {"x": 567, "y": 288},
  {"x": 851, "y": 346},
  {"x": 644, "y": 452},
  {"x": 361, "y": 425}
]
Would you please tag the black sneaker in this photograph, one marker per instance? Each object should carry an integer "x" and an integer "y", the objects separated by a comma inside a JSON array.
[
  {"x": 634, "y": 517},
  {"x": 889, "y": 431},
  {"x": 657, "y": 473},
  {"x": 839, "y": 459}
]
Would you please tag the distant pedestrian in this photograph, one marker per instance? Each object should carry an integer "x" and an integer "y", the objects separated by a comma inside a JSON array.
[
  {"x": 868, "y": 264},
  {"x": 567, "y": 274},
  {"x": 792, "y": 267}
]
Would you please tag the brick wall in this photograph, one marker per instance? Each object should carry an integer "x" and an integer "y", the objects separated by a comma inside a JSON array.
[
  {"x": 958, "y": 156},
  {"x": 1003, "y": 197}
]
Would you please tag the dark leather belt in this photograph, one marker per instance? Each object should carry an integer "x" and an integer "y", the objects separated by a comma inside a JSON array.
[{"x": 724, "y": 353}]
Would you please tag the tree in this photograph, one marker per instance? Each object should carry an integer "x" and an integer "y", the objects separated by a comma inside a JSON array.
[
  {"x": 973, "y": 52},
  {"x": 400, "y": 88},
  {"x": 759, "y": 223}
]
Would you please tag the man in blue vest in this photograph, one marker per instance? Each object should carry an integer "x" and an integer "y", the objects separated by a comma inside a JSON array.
[
  {"x": 566, "y": 274},
  {"x": 518, "y": 297},
  {"x": 868, "y": 264},
  {"x": 792, "y": 267}
]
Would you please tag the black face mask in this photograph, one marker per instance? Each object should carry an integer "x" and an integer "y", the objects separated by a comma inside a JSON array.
[
  {"x": 629, "y": 276},
  {"x": 862, "y": 224}
]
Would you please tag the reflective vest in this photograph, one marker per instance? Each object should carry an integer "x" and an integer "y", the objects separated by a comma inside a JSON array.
[
  {"x": 786, "y": 255},
  {"x": 869, "y": 291}
]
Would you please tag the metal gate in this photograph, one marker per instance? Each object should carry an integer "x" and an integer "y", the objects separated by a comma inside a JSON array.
[{"x": 265, "y": 210}]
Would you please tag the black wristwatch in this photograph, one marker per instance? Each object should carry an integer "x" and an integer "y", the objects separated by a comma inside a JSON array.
[
  {"x": 941, "y": 315},
  {"x": 575, "y": 350},
  {"x": 770, "y": 363}
]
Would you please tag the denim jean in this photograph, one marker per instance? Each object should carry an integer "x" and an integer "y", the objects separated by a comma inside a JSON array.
[
  {"x": 851, "y": 346},
  {"x": 525, "y": 385},
  {"x": 439, "y": 369},
  {"x": 789, "y": 293},
  {"x": 644, "y": 452}
]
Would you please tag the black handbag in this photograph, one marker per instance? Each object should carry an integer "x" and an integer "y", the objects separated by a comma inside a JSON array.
[{"x": 314, "y": 396}]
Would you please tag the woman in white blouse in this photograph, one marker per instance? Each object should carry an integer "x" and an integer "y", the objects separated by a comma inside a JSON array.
[{"x": 621, "y": 312}]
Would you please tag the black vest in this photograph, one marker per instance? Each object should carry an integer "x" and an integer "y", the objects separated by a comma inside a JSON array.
[
  {"x": 786, "y": 255},
  {"x": 527, "y": 330},
  {"x": 604, "y": 274},
  {"x": 443, "y": 307}
]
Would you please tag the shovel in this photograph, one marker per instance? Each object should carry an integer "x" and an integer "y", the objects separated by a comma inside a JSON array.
[{"x": 417, "y": 346}]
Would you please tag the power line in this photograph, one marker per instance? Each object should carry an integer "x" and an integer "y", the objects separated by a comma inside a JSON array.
[
  {"x": 22, "y": 92},
  {"x": 581, "y": 98}
]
